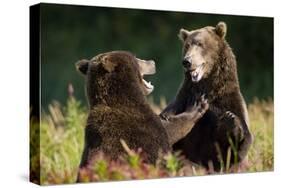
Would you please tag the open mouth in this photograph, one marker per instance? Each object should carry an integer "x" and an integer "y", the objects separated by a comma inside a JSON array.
[
  {"x": 196, "y": 73},
  {"x": 149, "y": 87},
  {"x": 147, "y": 67}
]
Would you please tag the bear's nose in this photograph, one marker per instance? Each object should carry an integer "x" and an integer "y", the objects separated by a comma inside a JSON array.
[{"x": 186, "y": 63}]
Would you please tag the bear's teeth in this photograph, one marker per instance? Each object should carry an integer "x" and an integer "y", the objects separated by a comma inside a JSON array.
[{"x": 147, "y": 84}]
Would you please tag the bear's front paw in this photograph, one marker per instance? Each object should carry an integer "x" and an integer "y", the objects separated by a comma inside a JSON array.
[
  {"x": 204, "y": 105},
  {"x": 164, "y": 116},
  {"x": 199, "y": 107},
  {"x": 228, "y": 118},
  {"x": 231, "y": 124},
  {"x": 230, "y": 115}
]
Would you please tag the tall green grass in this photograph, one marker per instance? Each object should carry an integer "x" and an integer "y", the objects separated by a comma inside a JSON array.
[{"x": 62, "y": 137}]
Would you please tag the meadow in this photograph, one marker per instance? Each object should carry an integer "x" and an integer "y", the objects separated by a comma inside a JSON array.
[{"x": 62, "y": 138}]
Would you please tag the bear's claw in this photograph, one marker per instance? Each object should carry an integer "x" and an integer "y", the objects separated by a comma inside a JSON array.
[
  {"x": 230, "y": 114},
  {"x": 164, "y": 117}
]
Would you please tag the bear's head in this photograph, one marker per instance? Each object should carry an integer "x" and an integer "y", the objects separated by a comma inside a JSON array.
[
  {"x": 116, "y": 73},
  {"x": 201, "y": 50}
]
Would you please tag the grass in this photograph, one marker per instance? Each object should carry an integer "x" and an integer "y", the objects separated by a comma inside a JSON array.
[{"x": 61, "y": 143}]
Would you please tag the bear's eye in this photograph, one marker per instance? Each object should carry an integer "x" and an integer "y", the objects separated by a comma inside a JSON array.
[
  {"x": 186, "y": 46},
  {"x": 197, "y": 43}
]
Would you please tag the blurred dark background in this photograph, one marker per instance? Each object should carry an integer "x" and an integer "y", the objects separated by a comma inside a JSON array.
[{"x": 70, "y": 33}]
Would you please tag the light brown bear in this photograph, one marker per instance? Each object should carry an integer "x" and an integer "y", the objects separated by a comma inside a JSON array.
[
  {"x": 119, "y": 110},
  {"x": 210, "y": 68}
]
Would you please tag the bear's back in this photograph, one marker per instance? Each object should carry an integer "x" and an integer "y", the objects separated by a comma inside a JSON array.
[{"x": 138, "y": 128}]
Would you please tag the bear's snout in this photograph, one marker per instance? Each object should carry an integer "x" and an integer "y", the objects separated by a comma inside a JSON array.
[{"x": 186, "y": 62}]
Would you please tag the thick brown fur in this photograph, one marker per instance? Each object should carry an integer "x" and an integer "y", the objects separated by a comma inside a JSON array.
[
  {"x": 119, "y": 110},
  {"x": 226, "y": 120}
]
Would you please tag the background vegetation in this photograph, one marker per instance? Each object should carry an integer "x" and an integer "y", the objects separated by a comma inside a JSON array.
[
  {"x": 70, "y": 33},
  {"x": 62, "y": 137}
]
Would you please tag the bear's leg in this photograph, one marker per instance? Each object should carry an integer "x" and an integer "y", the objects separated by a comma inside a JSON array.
[
  {"x": 178, "y": 126},
  {"x": 172, "y": 109},
  {"x": 233, "y": 132},
  {"x": 180, "y": 105}
]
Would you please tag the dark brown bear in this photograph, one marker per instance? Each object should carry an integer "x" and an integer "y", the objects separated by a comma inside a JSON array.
[
  {"x": 210, "y": 68},
  {"x": 118, "y": 109}
]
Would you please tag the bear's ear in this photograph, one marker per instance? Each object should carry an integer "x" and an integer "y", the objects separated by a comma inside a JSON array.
[
  {"x": 82, "y": 66},
  {"x": 183, "y": 34},
  {"x": 221, "y": 29},
  {"x": 108, "y": 64}
]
